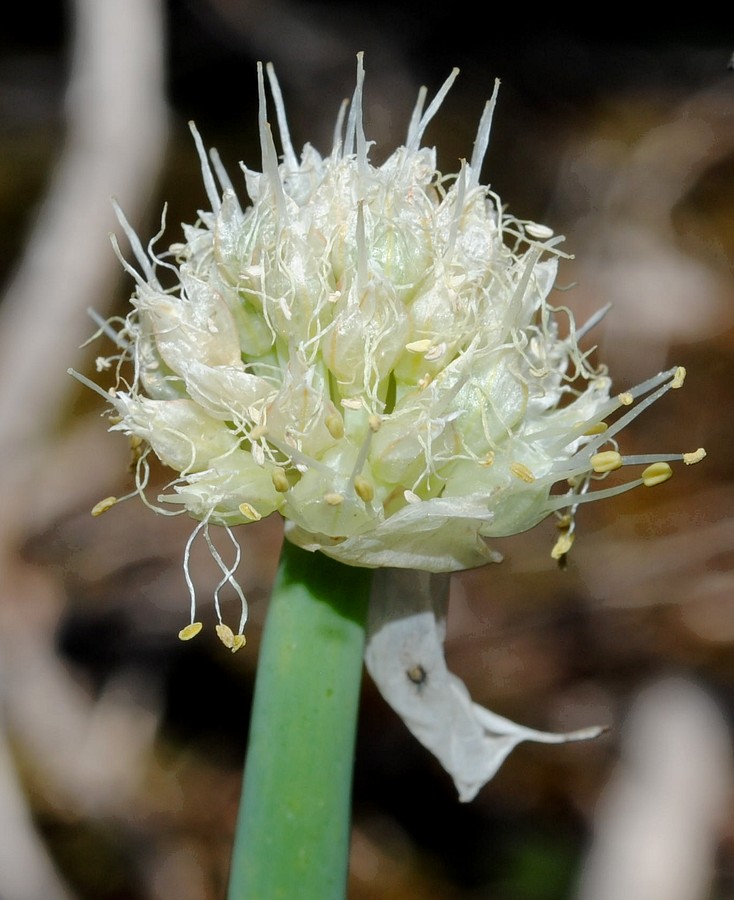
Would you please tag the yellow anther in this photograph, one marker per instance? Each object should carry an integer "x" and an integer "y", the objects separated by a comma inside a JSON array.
[
  {"x": 334, "y": 499},
  {"x": 678, "y": 378},
  {"x": 249, "y": 512},
  {"x": 521, "y": 471},
  {"x": 690, "y": 458},
  {"x": 374, "y": 422},
  {"x": 599, "y": 428},
  {"x": 657, "y": 473},
  {"x": 626, "y": 399},
  {"x": 418, "y": 346},
  {"x": 280, "y": 480},
  {"x": 226, "y": 635},
  {"x": 103, "y": 506},
  {"x": 565, "y": 521},
  {"x": 562, "y": 545},
  {"x": 238, "y": 642},
  {"x": 487, "y": 460},
  {"x": 335, "y": 425},
  {"x": 365, "y": 490},
  {"x": 190, "y": 631},
  {"x": 606, "y": 461}
]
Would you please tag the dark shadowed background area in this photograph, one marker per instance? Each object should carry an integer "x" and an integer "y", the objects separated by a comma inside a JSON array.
[{"x": 122, "y": 748}]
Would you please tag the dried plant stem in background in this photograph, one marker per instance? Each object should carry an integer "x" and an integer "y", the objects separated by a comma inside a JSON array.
[{"x": 116, "y": 127}]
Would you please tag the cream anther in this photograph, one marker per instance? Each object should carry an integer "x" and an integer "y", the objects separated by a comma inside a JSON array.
[
  {"x": 238, "y": 642},
  {"x": 103, "y": 506},
  {"x": 411, "y": 497},
  {"x": 190, "y": 631},
  {"x": 521, "y": 471},
  {"x": 418, "y": 346},
  {"x": 334, "y": 499},
  {"x": 599, "y": 428},
  {"x": 351, "y": 403},
  {"x": 364, "y": 489},
  {"x": 335, "y": 425},
  {"x": 542, "y": 232},
  {"x": 280, "y": 480},
  {"x": 625, "y": 398},
  {"x": 696, "y": 456},
  {"x": 657, "y": 473},
  {"x": 374, "y": 422},
  {"x": 606, "y": 461},
  {"x": 249, "y": 512},
  {"x": 225, "y": 635},
  {"x": 562, "y": 545}
]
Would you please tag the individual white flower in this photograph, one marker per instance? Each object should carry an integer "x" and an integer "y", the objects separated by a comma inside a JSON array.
[{"x": 371, "y": 352}]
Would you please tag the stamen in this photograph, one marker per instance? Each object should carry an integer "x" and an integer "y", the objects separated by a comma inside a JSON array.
[
  {"x": 335, "y": 425},
  {"x": 365, "y": 490},
  {"x": 599, "y": 428},
  {"x": 563, "y": 545},
  {"x": 190, "y": 631},
  {"x": 418, "y": 346},
  {"x": 103, "y": 506},
  {"x": 225, "y": 635},
  {"x": 186, "y": 565},
  {"x": 695, "y": 457},
  {"x": 607, "y": 461},
  {"x": 521, "y": 471},
  {"x": 249, "y": 512},
  {"x": 280, "y": 480},
  {"x": 334, "y": 499},
  {"x": 657, "y": 473}
]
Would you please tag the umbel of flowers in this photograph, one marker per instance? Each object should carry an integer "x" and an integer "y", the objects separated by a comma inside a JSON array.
[{"x": 369, "y": 351}]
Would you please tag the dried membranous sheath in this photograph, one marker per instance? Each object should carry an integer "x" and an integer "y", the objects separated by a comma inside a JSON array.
[{"x": 371, "y": 352}]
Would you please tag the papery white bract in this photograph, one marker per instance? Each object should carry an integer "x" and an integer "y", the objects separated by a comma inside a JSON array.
[{"x": 371, "y": 352}]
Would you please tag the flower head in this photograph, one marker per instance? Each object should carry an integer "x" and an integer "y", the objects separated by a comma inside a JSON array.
[{"x": 371, "y": 352}]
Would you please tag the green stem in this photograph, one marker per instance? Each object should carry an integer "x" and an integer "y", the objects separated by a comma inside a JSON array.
[{"x": 293, "y": 830}]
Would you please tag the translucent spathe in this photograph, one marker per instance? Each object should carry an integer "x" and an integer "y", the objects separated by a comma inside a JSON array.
[{"x": 404, "y": 656}]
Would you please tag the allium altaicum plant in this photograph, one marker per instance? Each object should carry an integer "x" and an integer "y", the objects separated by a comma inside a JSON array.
[{"x": 371, "y": 352}]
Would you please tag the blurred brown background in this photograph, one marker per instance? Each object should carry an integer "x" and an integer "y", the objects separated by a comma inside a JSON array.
[{"x": 121, "y": 748}]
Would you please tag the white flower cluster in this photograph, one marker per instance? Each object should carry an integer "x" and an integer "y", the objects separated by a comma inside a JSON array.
[{"x": 369, "y": 351}]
